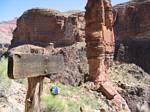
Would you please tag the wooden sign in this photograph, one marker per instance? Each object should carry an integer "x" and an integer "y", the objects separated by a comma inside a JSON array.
[{"x": 23, "y": 65}]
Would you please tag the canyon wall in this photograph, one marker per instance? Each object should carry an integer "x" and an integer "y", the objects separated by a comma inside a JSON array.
[
  {"x": 132, "y": 32},
  {"x": 6, "y": 29},
  {"x": 44, "y": 26}
]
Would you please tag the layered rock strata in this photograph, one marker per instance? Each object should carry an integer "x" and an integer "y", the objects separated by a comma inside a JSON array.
[
  {"x": 99, "y": 39},
  {"x": 132, "y": 30},
  {"x": 100, "y": 47},
  {"x": 44, "y": 26}
]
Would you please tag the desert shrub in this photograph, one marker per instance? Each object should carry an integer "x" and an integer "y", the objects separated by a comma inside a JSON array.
[
  {"x": 58, "y": 104},
  {"x": 53, "y": 104}
]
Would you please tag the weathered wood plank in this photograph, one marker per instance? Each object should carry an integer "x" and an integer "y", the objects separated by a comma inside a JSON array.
[{"x": 21, "y": 65}]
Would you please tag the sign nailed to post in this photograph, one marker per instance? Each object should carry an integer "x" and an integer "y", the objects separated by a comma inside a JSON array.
[{"x": 22, "y": 65}]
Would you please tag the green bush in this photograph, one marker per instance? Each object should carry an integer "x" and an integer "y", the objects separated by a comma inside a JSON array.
[{"x": 53, "y": 104}]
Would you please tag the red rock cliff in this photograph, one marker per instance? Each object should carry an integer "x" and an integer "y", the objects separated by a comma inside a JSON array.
[
  {"x": 132, "y": 30},
  {"x": 99, "y": 38},
  {"x": 100, "y": 47},
  {"x": 43, "y": 26}
]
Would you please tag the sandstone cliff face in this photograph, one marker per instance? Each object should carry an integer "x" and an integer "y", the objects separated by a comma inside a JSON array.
[
  {"x": 99, "y": 38},
  {"x": 100, "y": 48},
  {"x": 44, "y": 26},
  {"x": 132, "y": 30}
]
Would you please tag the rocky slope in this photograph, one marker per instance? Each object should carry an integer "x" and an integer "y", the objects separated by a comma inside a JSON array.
[
  {"x": 132, "y": 29},
  {"x": 130, "y": 80},
  {"x": 13, "y": 99},
  {"x": 12, "y": 94},
  {"x": 6, "y": 29},
  {"x": 134, "y": 85}
]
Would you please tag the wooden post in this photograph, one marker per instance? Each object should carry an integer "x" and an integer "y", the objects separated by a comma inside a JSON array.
[{"x": 35, "y": 87}]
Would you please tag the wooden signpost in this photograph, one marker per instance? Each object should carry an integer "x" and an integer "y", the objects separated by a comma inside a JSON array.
[{"x": 24, "y": 63}]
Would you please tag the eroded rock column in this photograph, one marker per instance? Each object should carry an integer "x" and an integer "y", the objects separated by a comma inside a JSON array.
[
  {"x": 100, "y": 48},
  {"x": 99, "y": 39}
]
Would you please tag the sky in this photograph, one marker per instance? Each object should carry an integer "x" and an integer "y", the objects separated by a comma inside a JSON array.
[{"x": 9, "y": 9}]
